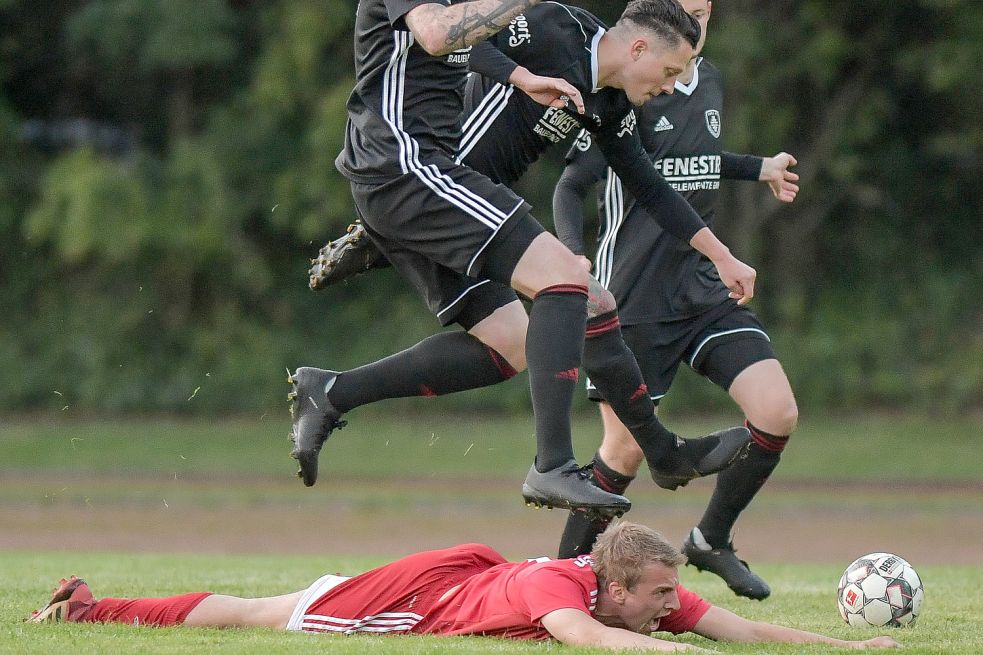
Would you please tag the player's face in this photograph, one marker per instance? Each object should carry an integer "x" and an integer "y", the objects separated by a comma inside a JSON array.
[
  {"x": 653, "y": 68},
  {"x": 652, "y": 598},
  {"x": 700, "y": 10}
]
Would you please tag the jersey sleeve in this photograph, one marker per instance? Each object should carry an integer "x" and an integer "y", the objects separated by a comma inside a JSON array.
[
  {"x": 489, "y": 61},
  {"x": 546, "y": 590},
  {"x": 740, "y": 167},
  {"x": 585, "y": 167},
  {"x": 623, "y": 151},
  {"x": 397, "y": 9},
  {"x": 530, "y": 39},
  {"x": 692, "y": 607}
]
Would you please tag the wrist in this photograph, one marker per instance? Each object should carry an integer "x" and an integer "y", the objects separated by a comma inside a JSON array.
[
  {"x": 710, "y": 246},
  {"x": 766, "y": 173},
  {"x": 519, "y": 76}
]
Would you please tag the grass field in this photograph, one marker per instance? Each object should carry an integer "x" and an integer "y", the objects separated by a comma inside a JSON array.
[{"x": 159, "y": 506}]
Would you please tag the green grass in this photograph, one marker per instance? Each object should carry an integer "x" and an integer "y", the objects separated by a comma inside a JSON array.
[
  {"x": 803, "y": 597},
  {"x": 929, "y": 471},
  {"x": 883, "y": 448}
]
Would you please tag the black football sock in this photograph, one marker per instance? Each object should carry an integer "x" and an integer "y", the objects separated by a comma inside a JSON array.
[
  {"x": 737, "y": 485},
  {"x": 554, "y": 348},
  {"x": 581, "y": 530},
  {"x": 438, "y": 365},
  {"x": 614, "y": 372}
]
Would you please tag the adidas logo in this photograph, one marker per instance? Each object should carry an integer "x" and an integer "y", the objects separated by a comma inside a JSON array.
[{"x": 663, "y": 125}]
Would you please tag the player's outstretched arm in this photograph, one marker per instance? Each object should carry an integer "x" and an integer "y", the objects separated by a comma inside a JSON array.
[
  {"x": 724, "y": 625},
  {"x": 440, "y": 29},
  {"x": 775, "y": 171},
  {"x": 575, "y": 628}
]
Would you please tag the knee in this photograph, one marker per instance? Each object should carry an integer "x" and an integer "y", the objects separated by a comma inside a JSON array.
[
  {"x": 780, "y": 419},
  {"x": 789, "y": 416},
  {"x": 505, "y": 332},
  {"x": 513, "y": 348},
  {"x": 599, "y": 300}
]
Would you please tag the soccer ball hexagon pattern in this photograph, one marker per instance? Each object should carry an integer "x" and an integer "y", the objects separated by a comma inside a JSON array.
[{"x": 880, "y": 589}]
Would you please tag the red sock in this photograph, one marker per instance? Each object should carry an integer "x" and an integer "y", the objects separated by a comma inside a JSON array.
[{"x": 157, "y": 612}]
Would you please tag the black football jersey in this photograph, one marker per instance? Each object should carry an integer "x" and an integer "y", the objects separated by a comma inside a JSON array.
[
  {"x": 505, "y": 130},
  {"x": 407, "y": 104},
  {"x": 654, "y": 276}
]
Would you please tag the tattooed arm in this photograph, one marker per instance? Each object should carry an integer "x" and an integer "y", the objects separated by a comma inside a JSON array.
[{"x": 440, "y": 29}]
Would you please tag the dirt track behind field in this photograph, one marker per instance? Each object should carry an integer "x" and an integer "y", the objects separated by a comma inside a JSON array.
[{"x": 800, "y": 522}]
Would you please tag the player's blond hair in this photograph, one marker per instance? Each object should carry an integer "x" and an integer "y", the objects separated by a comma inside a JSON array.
[{"x": 623, "y": 550}]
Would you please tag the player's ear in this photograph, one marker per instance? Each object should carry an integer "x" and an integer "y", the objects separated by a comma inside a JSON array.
[
  {"x": 617, "y": 592},
  {"x": 638, "y": 48}
]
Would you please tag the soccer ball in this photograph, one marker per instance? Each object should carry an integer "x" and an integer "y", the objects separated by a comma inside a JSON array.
[{"x": 880, "y": 589}]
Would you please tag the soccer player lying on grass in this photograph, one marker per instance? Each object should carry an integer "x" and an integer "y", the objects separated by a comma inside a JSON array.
[{"x": 625, "y": 589}]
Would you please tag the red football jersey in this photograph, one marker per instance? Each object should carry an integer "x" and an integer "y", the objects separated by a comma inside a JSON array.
[{"x": 467, "y": 590}]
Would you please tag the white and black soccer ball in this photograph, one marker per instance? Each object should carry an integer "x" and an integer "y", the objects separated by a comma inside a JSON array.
[{"x": 880, "y": 589}]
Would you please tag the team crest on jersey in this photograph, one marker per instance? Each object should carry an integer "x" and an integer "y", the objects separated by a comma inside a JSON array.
[
  {"x": 519, "y": 31},
  {"x": 713, "y": 122}
]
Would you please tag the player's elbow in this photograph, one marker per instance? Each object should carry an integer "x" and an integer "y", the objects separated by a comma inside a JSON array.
[{"x": 434, "y": 45}]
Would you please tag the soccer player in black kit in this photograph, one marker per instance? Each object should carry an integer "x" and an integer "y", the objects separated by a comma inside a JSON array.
[
  {"x": 674, "y": 307},
  {"x": 496, "y": 328}
]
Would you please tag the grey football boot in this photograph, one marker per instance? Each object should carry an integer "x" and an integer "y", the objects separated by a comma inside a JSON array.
[
  {"x": 724, "y": 563},
  {"x": 349, "y": 255},
  {"x": 314, "y": 417},
  {"x": 569, "y": 487},
  {"x": 696, "y": 458}
]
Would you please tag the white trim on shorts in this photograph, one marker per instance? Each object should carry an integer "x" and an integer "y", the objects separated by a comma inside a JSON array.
[
  {"x": 720, "y": 334},
  {"x": 461, "y": 297},
  {"x": 318, "y": 588}
]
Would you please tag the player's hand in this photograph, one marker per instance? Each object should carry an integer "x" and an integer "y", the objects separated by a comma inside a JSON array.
[
  {"x": 775, "y": 171},
  {"x": 739, "y": 278},
  {"x": 548, "y": 91},
  {"x": 584, "y": 262}
]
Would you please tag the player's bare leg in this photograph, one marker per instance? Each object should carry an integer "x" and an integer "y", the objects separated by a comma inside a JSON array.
[
  {"x": 552, "y": 276},
  {"x": 764, "y": 394},
  {"x": 218, "y": 611},
  {"x": 618, "y": 449},
  {"x": 504, "y": 331}
]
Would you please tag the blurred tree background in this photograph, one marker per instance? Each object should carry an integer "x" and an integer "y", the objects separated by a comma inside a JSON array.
[{"x": 166, "y": 171}]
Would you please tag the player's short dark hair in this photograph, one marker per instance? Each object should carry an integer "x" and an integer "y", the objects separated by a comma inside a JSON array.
[{"x": 666, "y": 18}]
